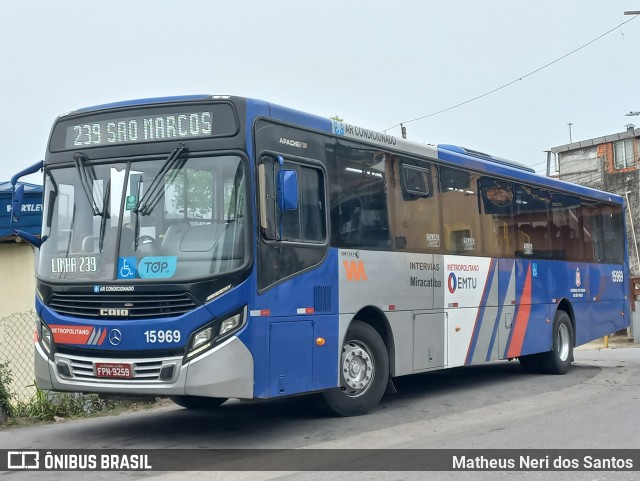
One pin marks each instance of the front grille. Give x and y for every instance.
(136, 306)
(82, 369)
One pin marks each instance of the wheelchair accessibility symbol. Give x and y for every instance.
(127, 267)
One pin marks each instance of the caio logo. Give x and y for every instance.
(114, 312)
(355, 270)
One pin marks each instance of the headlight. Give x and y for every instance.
(230, 324)
(46, 338)
(208, 336)
(200, 341)
(202, 337)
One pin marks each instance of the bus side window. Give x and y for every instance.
(497, 217)
(533, 215)
(607, 233)
(567, 232)
(304, 224)
(415, 210)
(459, 199)
(359, 213)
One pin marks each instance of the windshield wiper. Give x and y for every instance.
(79, 158)
(105, 214)
(152, 195)
(136, 233)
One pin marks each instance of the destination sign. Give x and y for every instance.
(142, 128)
(74, 264)
(157, 124)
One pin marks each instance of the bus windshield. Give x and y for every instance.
(132, 221)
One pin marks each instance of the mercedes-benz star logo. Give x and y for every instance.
(115, 336)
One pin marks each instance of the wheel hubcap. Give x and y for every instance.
(563, 342)
(357, 368)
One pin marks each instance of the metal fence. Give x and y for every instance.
(16, 348)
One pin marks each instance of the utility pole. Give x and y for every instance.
(404, 131)
(570, 139)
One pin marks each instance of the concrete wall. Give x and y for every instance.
(17, 321)
(582, 166)
(17, 278)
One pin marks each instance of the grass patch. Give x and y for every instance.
(51, 406)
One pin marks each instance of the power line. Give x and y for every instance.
(515, 80)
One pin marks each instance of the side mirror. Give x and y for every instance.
(17, 198)
(16, 202)
(287, 190)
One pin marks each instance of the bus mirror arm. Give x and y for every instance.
(17, 198)
(29, 170)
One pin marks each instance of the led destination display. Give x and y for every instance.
(143, 128)
(156, 124)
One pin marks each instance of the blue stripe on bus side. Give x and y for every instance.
(481, 311)
(505, 271)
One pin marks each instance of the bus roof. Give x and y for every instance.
(467, 158)
(138, 102)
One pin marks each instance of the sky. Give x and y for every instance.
(374, 63)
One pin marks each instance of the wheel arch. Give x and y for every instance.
(377, 319)
(566, 306)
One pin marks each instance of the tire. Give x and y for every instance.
(198, 402)
(364, 372)
(559, 359)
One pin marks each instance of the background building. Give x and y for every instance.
(608, 163)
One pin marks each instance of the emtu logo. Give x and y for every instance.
(452, 283)
(355, 270)
(455, 283)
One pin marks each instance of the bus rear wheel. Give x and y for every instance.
(559, 359)
(200, 403)
(364, 372)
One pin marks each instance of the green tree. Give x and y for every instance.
(192, 191)
(5, 392)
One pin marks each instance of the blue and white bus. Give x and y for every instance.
(214, 247)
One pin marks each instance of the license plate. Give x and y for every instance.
(113, 370)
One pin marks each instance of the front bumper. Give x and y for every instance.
(225, 371)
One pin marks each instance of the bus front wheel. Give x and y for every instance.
(364, 372)
(198, 402)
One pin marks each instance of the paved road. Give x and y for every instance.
(489, 406)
